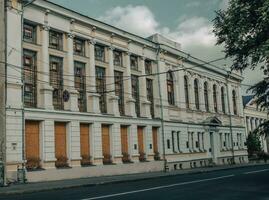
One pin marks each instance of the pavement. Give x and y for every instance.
(106, 180)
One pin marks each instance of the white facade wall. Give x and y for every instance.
(177, 118)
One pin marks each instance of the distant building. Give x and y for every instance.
(89, 94)
(254, 116)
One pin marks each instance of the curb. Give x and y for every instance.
(205, 170)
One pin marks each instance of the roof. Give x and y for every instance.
(246, 99)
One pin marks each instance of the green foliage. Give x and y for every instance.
(244, 30)
(253, 144)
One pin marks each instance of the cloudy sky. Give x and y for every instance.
(188, 22)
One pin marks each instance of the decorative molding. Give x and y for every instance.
(92, 41)
(70, 35)
(45, 27)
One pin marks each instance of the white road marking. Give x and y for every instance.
(253, 172)
(159, 187)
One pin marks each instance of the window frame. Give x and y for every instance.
(170, 88)
(206, 96)
(186, 89)
(80, 85)
(33, 32)
(58, 36)
(99, 53)
(76, 42)
(196, 94)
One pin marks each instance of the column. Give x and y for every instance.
(134, 154)
(116, 143)
(253, 124)
(191, 93)
(45, 88)
(201, 95)
(48, 147)
(248, 125)
(145, 104)
(130, 102)
(97, 144)
(93, 97)
(219, 102)
(181, 99)
(69, 80)
(226, 100)
(230, 96)
(112, 99)
(149, 143)
(210, 97)
(74, 143)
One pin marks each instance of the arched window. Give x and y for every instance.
(234, 102)
(186, 87)
(215, 98)
(196, 94)
(223, 99)
(170, 88)
(206, 96)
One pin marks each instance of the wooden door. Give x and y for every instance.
(85, 141)
(140, 136)
(105, 141)
(32, 140)
(60, 139)
(124, 140)
(155, 139)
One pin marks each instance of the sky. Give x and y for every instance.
(188, 22)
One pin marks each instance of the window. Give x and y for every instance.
(223, 99)
(134, 62)
(206, 96)
(234, 102)
(135, 93)
(150, 97)
(29, 33)
(99, 53)
(148, 67)
(56, 40)
(101, 88)
(79, 47)
(170, 88)
(215, 98)
(178, 141)
(56, 81)
(173, 141)
(186, 88)
(119, 91)
(168, 144)
(80, 85)
(196, 94)
(117, 58)
(29, 72)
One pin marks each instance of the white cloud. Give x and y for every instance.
(224, 4)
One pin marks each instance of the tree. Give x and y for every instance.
(243, 29)
(253, 144)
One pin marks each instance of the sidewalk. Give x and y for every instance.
(64, 184)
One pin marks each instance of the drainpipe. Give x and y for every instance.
(161, 107)
(230, 116)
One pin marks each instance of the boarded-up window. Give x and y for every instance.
(32, 140)
(124, 140)
(84, 141)
(140, 136)
(155, 139)
(106, 144)
(60, 140)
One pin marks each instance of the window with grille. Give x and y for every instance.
(101, 88)
(150, 97)
(117, 58)
(170, 88)
(119, 91)
(29, 72)
(148, 67)
(55, 40)
(206, 96)
(186, 88)
(79, 46)
(223, 99)
(134, 62)
(196, 94)
(215, 98)
(29, 33)
(56, 81)
(99, 53)
(80, 85)
(234, 102)
(135, 93)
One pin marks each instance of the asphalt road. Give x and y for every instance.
(242, 183)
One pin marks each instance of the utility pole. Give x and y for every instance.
(230, 115)
(3, 67)
(161, 107)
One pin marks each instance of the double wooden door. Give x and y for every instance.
(60, 140)
(32, 140)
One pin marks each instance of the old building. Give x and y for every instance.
(254, 116)
(92, 98)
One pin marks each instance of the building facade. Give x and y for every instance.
(89, 94)
(254, 116)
